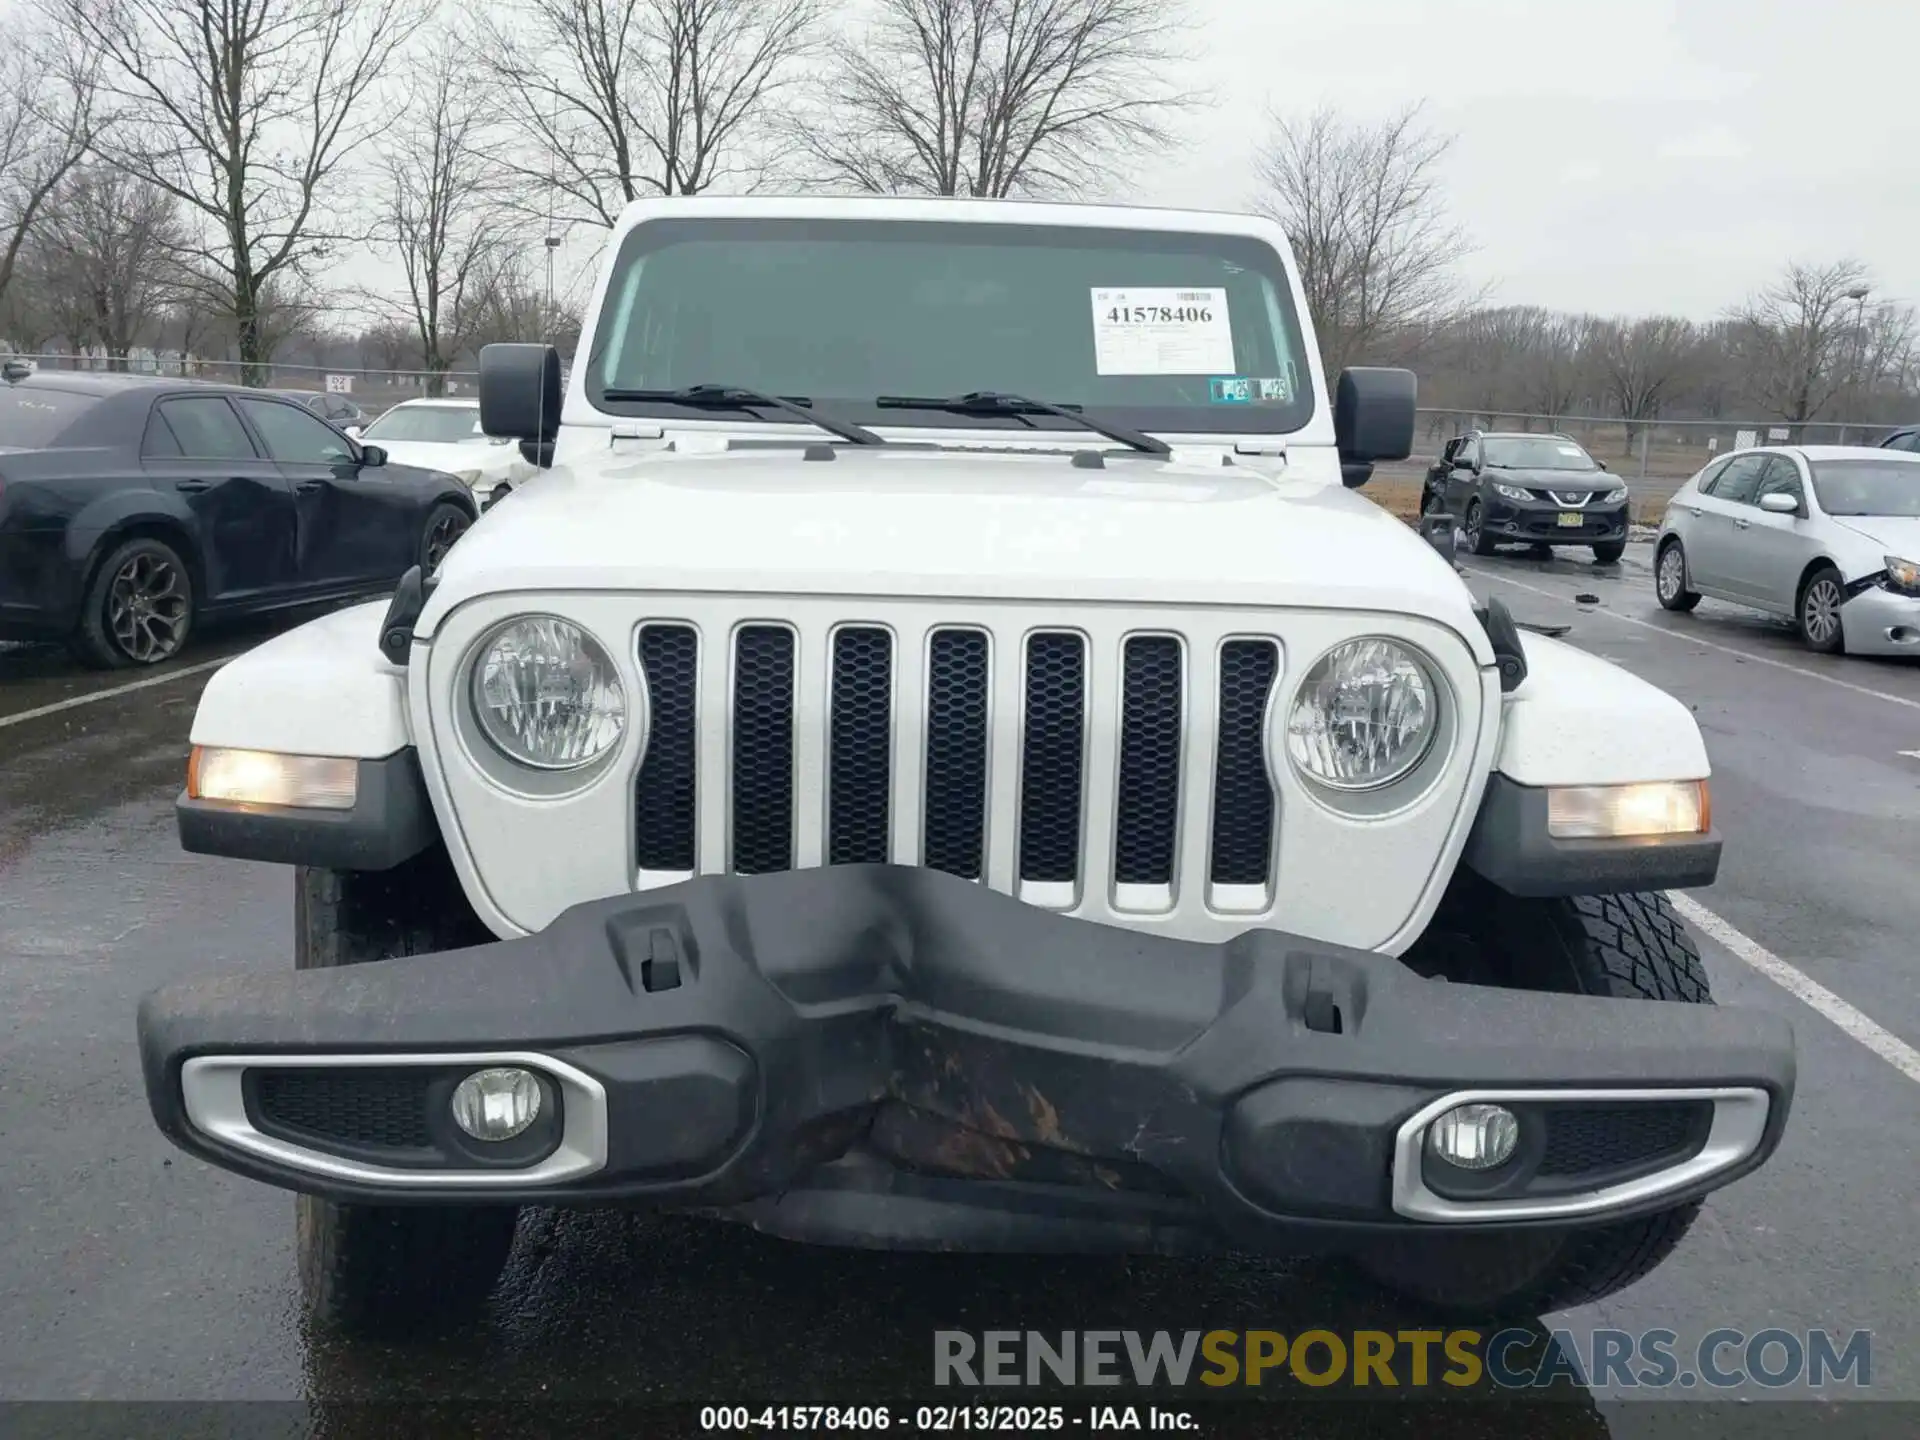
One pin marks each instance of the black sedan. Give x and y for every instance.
(133, 508)
(1527, 489)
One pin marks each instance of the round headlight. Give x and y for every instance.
(1363, 716)
(546, 695)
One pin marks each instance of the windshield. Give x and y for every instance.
(1157, 331)
(1536, 452)
(433, 424)
(35, 416)
(1867, 487)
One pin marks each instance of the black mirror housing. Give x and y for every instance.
(372, 456)
(1373, 418)
(520, 395)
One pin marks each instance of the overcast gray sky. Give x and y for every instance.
(1630, 155)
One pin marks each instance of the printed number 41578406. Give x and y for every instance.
(1160, 315)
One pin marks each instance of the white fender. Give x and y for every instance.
(1580, 720)
(322, 688)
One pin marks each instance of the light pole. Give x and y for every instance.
(1858, 294)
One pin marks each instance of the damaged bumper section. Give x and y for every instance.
(886, 1056)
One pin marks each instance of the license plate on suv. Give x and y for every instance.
(1571, 519)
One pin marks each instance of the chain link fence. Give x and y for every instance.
(373, 390)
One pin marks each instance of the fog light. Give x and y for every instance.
(264, 777)
(1475, 1137)
(1612, 812)
(496, 1104)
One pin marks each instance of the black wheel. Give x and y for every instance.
(370, 1268)
(1609, 553)
(138, 608)
(1819, 611)
(446, 523)
(1670, 579)
(1474, 530)
(1624, 946)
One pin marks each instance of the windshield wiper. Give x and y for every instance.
(738, 397)
(994, 402)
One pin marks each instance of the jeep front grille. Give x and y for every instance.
(860, 691)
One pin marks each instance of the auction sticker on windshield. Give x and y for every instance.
(1162, 331)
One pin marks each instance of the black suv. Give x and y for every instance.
(1907, 439)
(1527, 489)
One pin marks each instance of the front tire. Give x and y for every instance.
(1818, 612)
(1609, 552)
(369, 1269)
(1670, 579)
(1477, 538)
(1622, 946)
(446, 523)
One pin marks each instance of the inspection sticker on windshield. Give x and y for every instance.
(1162, 331)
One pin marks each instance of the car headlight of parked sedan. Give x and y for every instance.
(1614, 496)
(546, 694)
(1902, 575)
(1363, 717)
(1512, 492)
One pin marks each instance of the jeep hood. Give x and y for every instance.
(1016, 526)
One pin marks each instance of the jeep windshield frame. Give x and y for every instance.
(846, 311)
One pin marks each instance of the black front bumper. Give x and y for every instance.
(1538, 522)
(874, 1054)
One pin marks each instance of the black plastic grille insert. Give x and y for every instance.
(762, 750)
(860, 739)
(956, 789)
(378, 1109)
(1147, 808)
(663, 798)
(1051, 755)
(1242, 794)
(1592, 1139)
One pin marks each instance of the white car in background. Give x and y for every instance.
(1825, 535)
(445, 435)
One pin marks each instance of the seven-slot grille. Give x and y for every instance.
(856, 669)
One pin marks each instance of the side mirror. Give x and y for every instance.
(1373, 419)
(520, 397)
(373, 456)
(1778, 503)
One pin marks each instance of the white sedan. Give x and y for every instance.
(1825, 535)
(445, 435)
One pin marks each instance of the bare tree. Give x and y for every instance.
(624, 98)
(997, 97)
(446, 228)
(1645, 365)
(47, 121)
(1796, 340)
(1366, 211)
(246, 112)
(521, 306)
(108, 250)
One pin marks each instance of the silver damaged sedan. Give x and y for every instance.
(1825, 535)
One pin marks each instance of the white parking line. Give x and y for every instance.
(1860, 1026)
(78, 700)
(1691, 639)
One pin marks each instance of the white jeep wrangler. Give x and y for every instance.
(942, 758)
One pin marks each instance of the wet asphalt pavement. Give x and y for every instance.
(130, 1271)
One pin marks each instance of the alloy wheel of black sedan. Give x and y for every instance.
(148, 605)
(446, 525)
